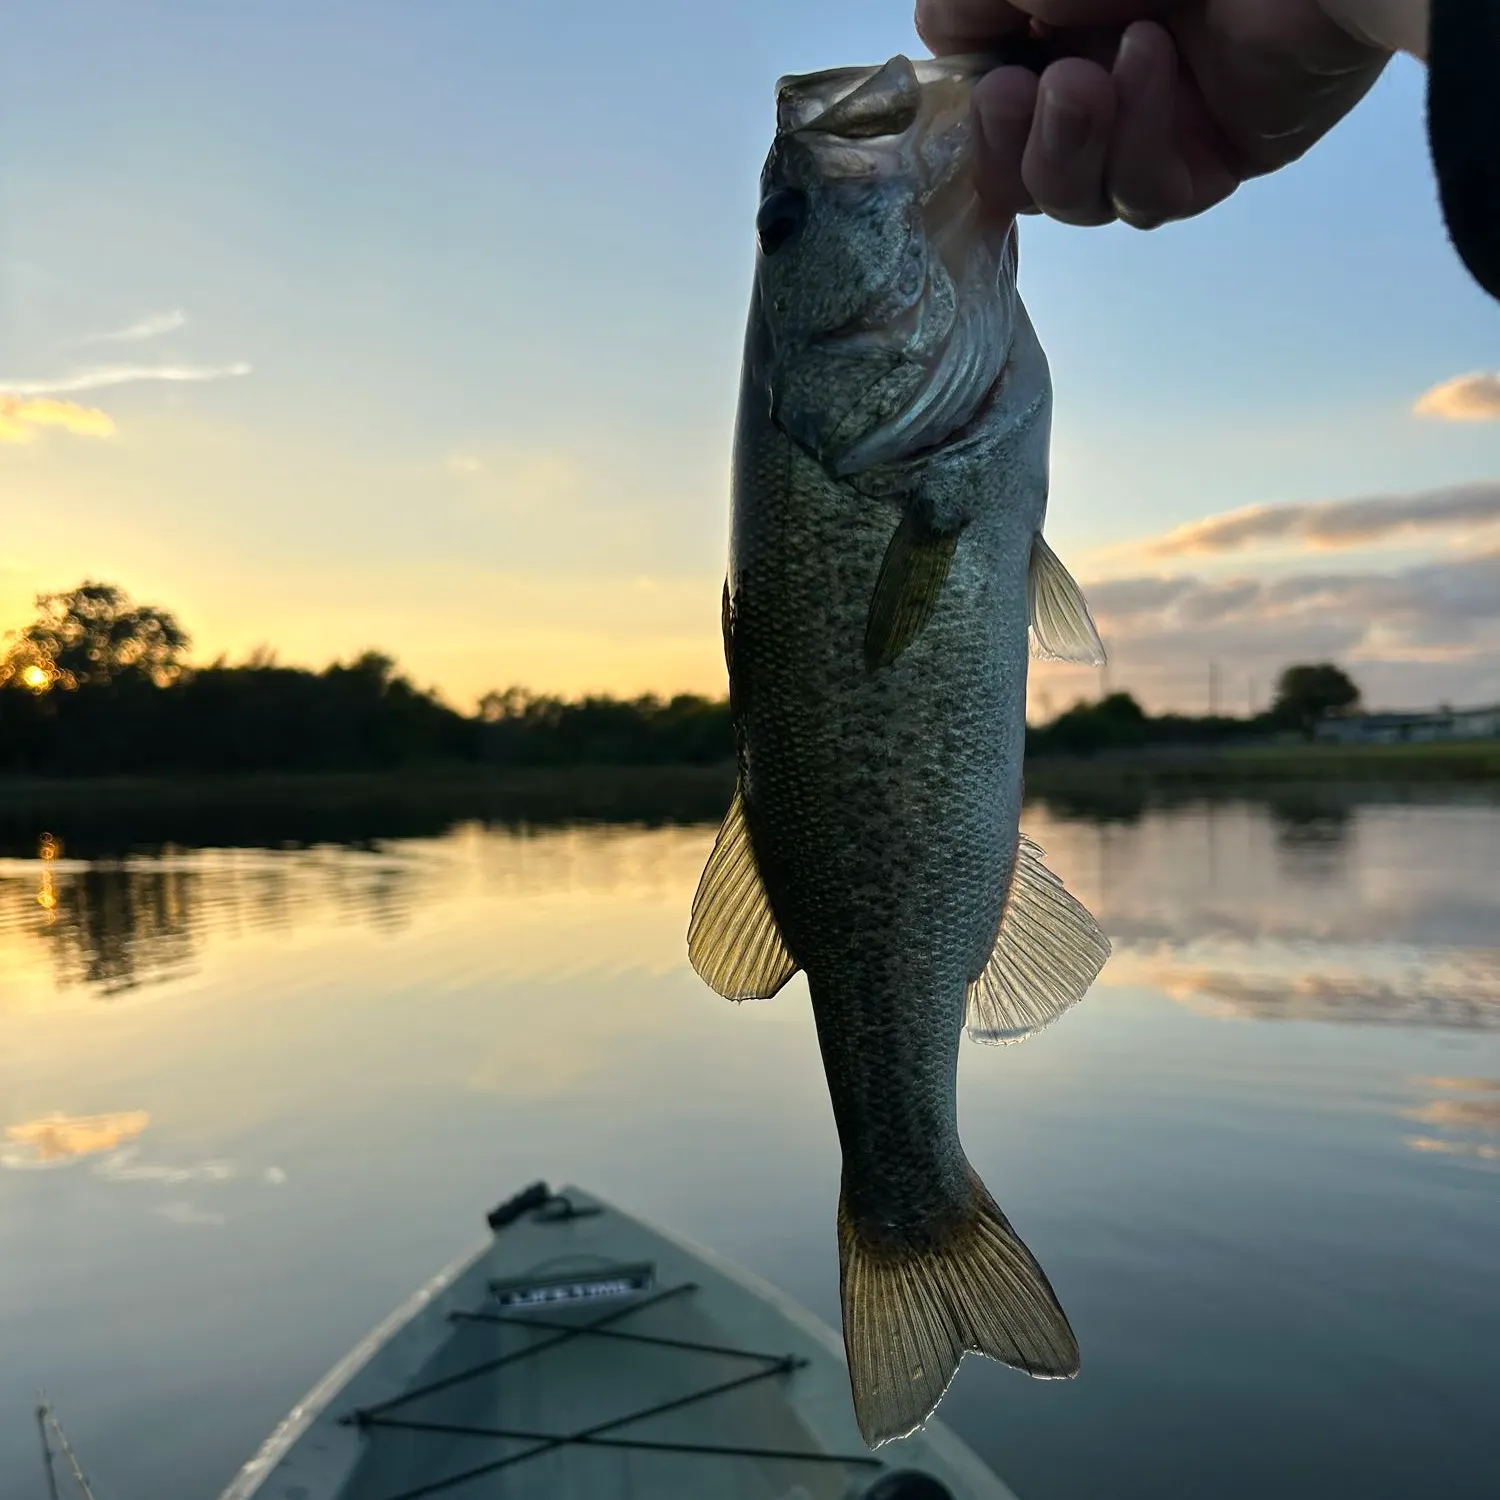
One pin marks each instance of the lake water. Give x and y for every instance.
(249, 1099)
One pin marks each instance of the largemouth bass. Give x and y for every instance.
(886, 573)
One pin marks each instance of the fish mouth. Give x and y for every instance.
(802, 97)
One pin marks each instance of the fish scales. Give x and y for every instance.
(886, 581)
(878, 803)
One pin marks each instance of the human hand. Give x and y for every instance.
(1163, 107)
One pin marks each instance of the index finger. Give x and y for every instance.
(967, 25)
(970, 21)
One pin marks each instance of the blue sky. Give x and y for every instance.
(458, 292)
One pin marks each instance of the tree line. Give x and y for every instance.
(1305, 695)
(99, 685)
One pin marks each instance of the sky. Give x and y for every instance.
(330, 326)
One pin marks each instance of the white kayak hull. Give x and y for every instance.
(591, 1356)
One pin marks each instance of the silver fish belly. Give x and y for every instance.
(887, 579)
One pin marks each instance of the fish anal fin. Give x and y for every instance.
(733, 940)
(906, 593)
(1048, 952)
(915, 1304)
(1062, 628)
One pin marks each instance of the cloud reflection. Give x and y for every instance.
(1362, 913)
(1476, 1111)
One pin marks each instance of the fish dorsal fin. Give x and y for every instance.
(733, 940)
(1061, 627)
(906, 593)
(1048, 952)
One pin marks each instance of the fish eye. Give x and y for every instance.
(781, 215)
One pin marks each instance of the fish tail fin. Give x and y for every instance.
(916, 1301)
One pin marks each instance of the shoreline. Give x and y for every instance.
(101, 818)
(1467, 762)
(1246, 767)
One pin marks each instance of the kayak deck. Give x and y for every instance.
(583, 1353)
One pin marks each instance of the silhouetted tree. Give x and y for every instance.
(94, 635)
(1305, 694)
(1117, 722)
(523, 728)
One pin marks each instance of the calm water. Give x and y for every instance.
(249, 1099)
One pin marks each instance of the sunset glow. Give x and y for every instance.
(363, 391)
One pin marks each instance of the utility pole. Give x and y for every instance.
(1213, 690)
(1250, 700)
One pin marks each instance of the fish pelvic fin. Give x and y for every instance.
(1062, 629)
(733, 940)
(915, 1302)
(906, 593)
(1048, 952)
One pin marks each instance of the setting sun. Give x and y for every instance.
(36, 678)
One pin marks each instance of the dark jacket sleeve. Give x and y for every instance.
(1463, 127)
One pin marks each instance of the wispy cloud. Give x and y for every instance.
(1465, 398)
(186, 1213)
(1411, 636)
(21, 419)
(1453, 595)
(152, 326)
(57, 1138)
(519, 475)
(101, 376)
(1333, 525)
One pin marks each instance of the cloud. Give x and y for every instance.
(150, 327)
(1412, 636)
(122, 1166)
(1334, 525)
(1465, 398)
(1454, 594)
(106, 375)
(185, 1213)
(54, 1139)
(520, 477)
(21, 418)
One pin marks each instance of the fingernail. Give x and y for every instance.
(1065, 130)
(1133, 61)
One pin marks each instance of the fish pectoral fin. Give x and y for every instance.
(733, 940)
(1048, 952)
(906, 593)
(912, 1310)
(1062, 629)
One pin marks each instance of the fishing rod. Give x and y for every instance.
(45, 1416)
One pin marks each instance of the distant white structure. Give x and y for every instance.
(1411, 728)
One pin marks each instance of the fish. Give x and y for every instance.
(887, 581)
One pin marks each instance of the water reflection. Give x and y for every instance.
(114, 926)
(253, 1097)
(1469, 1107)
(1312, 908)
(1376, 914)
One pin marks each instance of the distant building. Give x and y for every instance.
(1411, 728)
